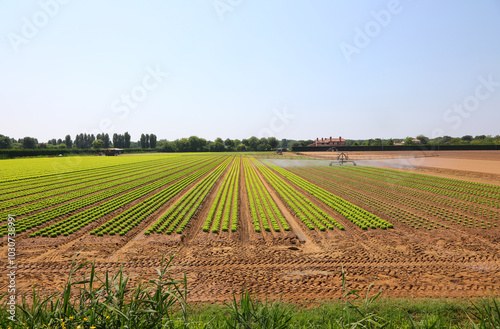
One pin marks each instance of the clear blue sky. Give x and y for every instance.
(237, 68)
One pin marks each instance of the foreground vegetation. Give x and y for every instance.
(89, 300)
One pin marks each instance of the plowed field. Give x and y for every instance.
(275, 227)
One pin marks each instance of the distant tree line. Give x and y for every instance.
(197, 144)
(81, 141)
(424, 140)
(84, 141)
(150, 141)
(294, 143)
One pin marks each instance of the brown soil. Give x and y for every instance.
(298, 265)
(479, 166)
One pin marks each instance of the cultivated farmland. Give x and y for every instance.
(274, 226)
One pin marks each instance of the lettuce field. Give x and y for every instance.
(275, 226)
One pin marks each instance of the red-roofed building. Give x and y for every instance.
(328, 142)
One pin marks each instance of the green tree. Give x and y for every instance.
(262, 141)
(467, 138)
(284, 143)
(195, 144)
(253, 142)
(104, 138)
(229, 142)
(167, 146)
(445, 139)
(408, 141)
(5, 142)
(217, 147)
(152, 141)
(203, 145)
(389, 142)
(127, 140)
(98, 144)
(488, 140)
(107, 141)
(77, 141)
(423, 139)
(29, 143)
(143, 141)
(88, 140)
(182, 145)
(273, 142)
(263, 147)
(85, 141)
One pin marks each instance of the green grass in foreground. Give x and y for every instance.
(94, 302)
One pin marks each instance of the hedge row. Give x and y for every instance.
(398, 148)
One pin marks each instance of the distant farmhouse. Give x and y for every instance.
(328, 142)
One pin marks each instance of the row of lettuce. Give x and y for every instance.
(117, 198)
(419, 201)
